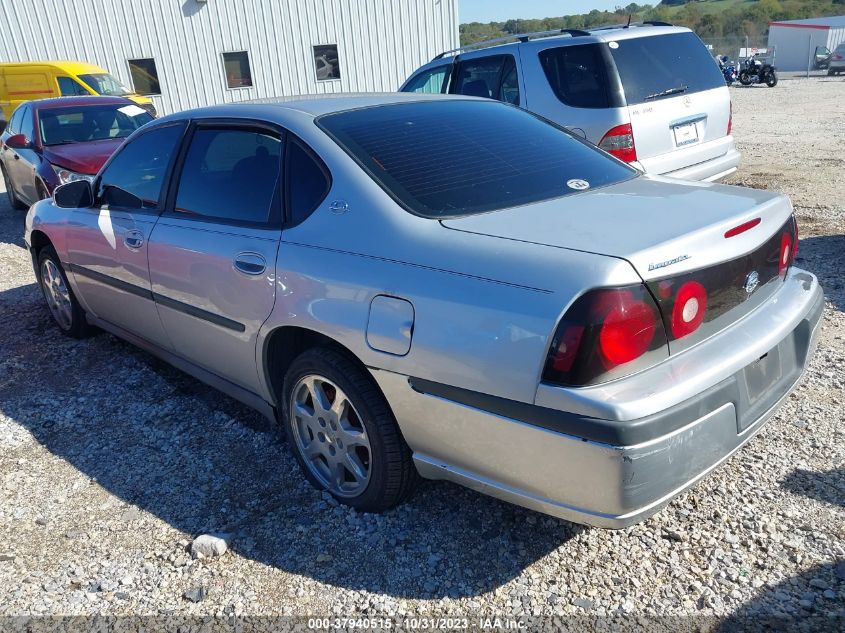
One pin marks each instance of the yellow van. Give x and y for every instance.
(25, 81)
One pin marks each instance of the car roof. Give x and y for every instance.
(70, 67)
(314, 105)
(563, 37)
(62, 102)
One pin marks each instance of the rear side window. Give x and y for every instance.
(578, 75)
(230, 174)
(431, 81)
(139, 169)
(664, 66)
(483, 77)
(307, 181)
(457, 158)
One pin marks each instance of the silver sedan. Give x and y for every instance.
(443, 287)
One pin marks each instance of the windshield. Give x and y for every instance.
(661, 66)
(60, 126)
(456, 158)
(106, 85)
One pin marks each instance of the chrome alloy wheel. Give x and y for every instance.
(330, 436)
(57, 294)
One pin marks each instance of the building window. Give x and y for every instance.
(144, 76)
(238, 73)
(326, 62)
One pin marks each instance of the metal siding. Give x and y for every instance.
(380, 42)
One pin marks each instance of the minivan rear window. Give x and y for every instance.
(662, 66)
(457, 158)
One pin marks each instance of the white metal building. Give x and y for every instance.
(796, 40)
(189, 53)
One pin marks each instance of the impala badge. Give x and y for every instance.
(751, 282)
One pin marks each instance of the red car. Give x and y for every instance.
(49, 142)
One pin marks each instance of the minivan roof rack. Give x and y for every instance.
(522, 37)
(609, 27)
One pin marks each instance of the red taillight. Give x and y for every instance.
(603, 330)
(731, 119)
(742, 228)
(795, 245)
(627, 332)
(785, 256)
(619, 141)
(689, 309)
(567, 348)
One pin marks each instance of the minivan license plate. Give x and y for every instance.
(685, 134)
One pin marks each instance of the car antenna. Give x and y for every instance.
(629, 21)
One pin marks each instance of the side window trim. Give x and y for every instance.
(276, 211)
(168, 174)
(290, 139)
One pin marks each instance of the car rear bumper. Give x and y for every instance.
(705, 162)
(513, 453)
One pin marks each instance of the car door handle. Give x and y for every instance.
(16, 157)
(250, 264)
(134, 240)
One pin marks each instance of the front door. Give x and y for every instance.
(22, 163)
(108, 244)
(213, 251)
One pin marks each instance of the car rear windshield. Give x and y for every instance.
(662, 66)
(456, 158)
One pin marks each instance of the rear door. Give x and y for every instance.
(212, 254)
(676, 97)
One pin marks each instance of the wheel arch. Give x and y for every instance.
(284, 343)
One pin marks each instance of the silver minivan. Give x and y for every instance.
(650, 94)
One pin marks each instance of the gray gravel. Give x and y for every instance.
(112, 463)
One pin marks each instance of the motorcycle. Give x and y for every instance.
(754, 71)
(728, 69)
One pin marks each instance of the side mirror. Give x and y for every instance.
(18, 141)
(74, 195)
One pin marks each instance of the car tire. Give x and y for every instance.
(62, 303)
(14, 201)
(343, 433)
(745, 78)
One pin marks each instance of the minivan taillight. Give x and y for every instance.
(619, 141)
(606, 333)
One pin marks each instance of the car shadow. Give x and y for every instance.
(167, 444)
(824, 256)
(813, 600)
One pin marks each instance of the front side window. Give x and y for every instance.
(69, 88)
(431, 81)
(578, 75)
(144, 76)
(307, 181)
(80, 124)
(26, 126)
(238, 73)
(134, 178)
(106, 85)
(456, 158)
(230, 174)
(14, 126)
(327, 62)
(664, 66)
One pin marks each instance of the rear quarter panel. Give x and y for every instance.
(484, 307)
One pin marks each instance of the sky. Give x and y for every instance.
(501, 10)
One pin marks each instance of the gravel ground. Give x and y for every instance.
(111, 463)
